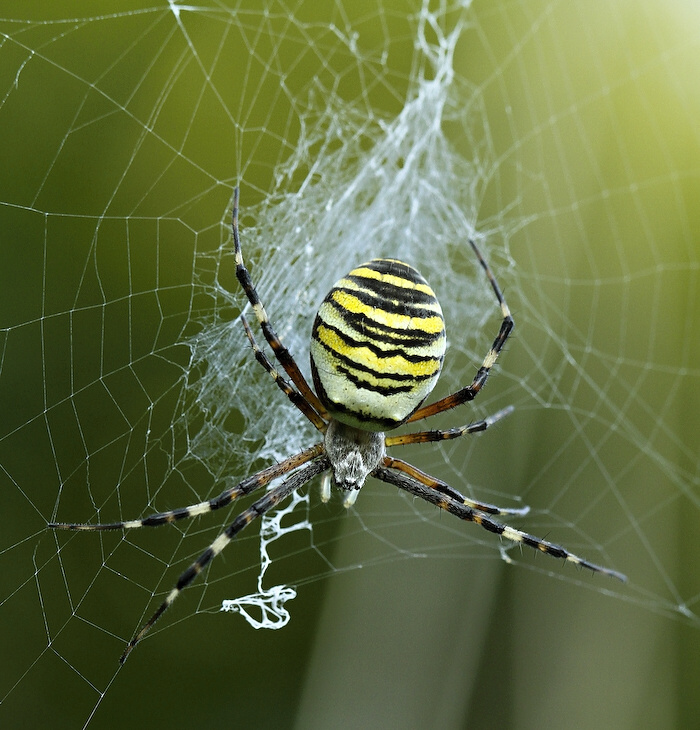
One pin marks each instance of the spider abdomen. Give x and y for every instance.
(377, 345)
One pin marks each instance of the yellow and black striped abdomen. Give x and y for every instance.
(377, 345)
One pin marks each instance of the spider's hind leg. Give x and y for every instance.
(284, 385)
(469, 392)
(284, 357)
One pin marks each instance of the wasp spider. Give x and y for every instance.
(377, 347)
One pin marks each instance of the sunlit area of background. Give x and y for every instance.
(565, 138)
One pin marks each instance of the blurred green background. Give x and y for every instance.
(123, 129)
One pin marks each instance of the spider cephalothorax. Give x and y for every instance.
(353, 453)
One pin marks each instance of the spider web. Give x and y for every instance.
(565, 137)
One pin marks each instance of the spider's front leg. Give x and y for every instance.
(257, 509)
(465, 512)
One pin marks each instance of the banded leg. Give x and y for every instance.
(464, 512)
(444, 488)
(284, 385)
(423, 437)
(282, 354)
(472, 390)
(247, 486)
(257, 509)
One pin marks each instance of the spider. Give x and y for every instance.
(377, 347)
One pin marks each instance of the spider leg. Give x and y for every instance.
(261, 479)
(423, 437)
(444, 488)
(257, 509)
(282, 354)
(284, 385)
(472, 390)
(469, 514)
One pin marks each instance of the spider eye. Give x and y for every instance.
(377, 345)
